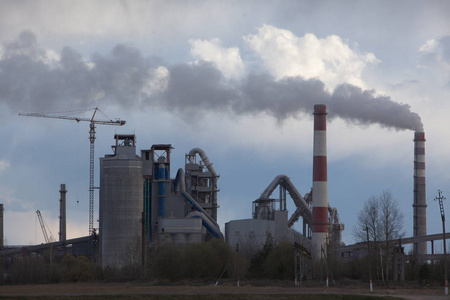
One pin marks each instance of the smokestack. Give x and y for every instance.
(1, 224)
(320, 187)
(62, 213)
(420, 199)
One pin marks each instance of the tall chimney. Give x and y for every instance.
(62, 213)
(320, 187)
(2, 229)
(420, 198)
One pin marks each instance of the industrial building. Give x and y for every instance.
(141, 205)
(319, 222)
(270, 218)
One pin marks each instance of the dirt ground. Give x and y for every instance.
(403, 292)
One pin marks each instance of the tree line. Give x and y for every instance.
(379, 221)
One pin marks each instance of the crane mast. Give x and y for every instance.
(92, 122)
(44, 230)
(91, 177)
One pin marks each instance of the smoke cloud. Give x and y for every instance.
(32, 79)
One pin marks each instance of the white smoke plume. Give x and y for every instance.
(32, 79)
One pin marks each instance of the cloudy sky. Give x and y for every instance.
(238, 79)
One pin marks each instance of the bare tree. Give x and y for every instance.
(368, 224)
(368, 219)
(383, 220)
(391, 219)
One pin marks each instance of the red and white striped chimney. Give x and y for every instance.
(320, 188)
(420, 199)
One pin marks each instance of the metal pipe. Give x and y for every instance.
(210, 168)
(300, 203)
(180, 186)
(162, 190)
(204, 158)
(320, 224)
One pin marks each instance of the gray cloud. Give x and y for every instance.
(31, 81)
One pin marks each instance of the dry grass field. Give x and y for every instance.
(145, 290)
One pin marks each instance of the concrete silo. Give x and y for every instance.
(121, 204)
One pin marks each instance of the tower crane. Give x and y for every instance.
(92, 122)
(44, 230)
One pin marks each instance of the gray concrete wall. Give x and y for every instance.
(180, 230)
(251, 234)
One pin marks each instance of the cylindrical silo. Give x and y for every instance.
(121, 204)
(320, 188)
(420, 198)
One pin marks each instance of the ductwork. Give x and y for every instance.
(204, 158)
(299, 211)
(333, 215)
(208, 222)
(300, 203)
(210, 168)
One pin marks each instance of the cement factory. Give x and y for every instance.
(142, 204)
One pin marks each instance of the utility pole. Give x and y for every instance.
(327, 260)
(324, 253)
(237, 257)
(368, 259)
(440, 198)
